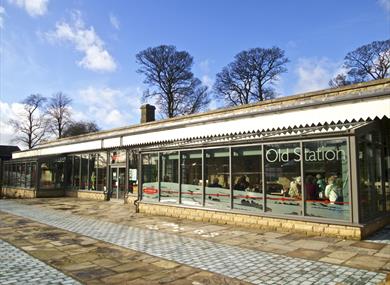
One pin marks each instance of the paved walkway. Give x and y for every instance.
(244, 264)
(17, 267)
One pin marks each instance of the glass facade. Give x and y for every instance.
(308, 178)
(169, 177)
(283, 181)
(150, 181)
(247, 178)
(371, 183)
(19, 174)
(101, 171)
(132, 172)
(302, 178)
(217, 174)
(191, 178)
(326, 179)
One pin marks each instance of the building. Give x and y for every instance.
(317, 163)
(6, 154)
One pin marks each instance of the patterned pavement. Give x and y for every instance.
(244, 264)
(383, 236)
(17, 267)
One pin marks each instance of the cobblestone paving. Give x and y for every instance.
(17, 267)
(244, 264)
(383, 236)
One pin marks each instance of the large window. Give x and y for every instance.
(102, 171)
(76, 171)
(247, 178)
(150, 189)
(118, 157)
(22, 175)
(191, 178)
(47, 180)
(92, 165)
(370, 176)
(133, 173)
(84, 171)
(217, 173)
(169, 177)
(326, 180)
(283, 179)
(33, 174)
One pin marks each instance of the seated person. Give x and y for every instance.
(241, 184)
(331, 191)
(310, 188)
(215, 183)
(295, 188)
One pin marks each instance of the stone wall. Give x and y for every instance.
(130, 199)
(375, 226)
(50, 193)
(21, 193)
(90, 195)
(278, 224)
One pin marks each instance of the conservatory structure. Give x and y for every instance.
(316, 162)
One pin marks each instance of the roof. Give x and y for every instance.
(7, 150)
(359, 102)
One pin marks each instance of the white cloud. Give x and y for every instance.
(96, 57)
(206, 78)
(33, 7)
(8, 112)
(314, 74)
(2, 14)
(109, 107)
(205, 66)
(385, 4)
(207, 81)
(114, 21)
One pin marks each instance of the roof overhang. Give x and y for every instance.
(364, 106)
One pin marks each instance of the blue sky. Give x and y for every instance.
(86, 48)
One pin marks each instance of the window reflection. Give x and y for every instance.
(191, 178)
(326, 179)
(217, 178)
(247, 178)
(169, 177)
(150, 176)
(283, 179)
(102, 171)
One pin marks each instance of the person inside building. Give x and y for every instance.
(215, 183)
(295, 188)
(310, 188)
(241, 184)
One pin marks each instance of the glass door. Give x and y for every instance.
(117, 176)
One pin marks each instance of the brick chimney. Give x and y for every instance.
(147, 113)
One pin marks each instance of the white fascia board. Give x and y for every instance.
(272, 121)
(306, 116)
(111, 142)
(70, 148)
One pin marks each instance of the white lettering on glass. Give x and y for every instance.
(321, 154)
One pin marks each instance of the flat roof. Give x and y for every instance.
(354, 102)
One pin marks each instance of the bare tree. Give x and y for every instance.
(368, 62)
(339, 80)
(31, 125)
(249, 78)
(58, 111)
(79, 128)
(173, 85)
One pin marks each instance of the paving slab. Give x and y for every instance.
(225, 260)
(17, 267)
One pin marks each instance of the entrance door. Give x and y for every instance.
(117, 176)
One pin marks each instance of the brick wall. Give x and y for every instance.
(90, 195)
(278, 224)
(10, 192)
